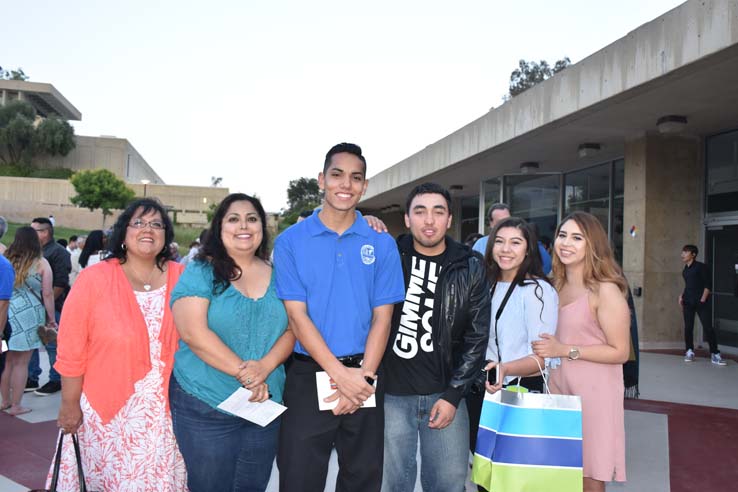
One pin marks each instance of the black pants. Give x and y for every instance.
(308, 435)
(704, 311)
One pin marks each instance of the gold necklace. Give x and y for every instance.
(146, 285)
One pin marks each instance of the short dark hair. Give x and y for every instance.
(497, 206)
(306, 213)
(424, 189)
(72, 238)
(691, 248)
(213, 250)
(349, 148)
(44, 221)
(118, 235)
(63, 242)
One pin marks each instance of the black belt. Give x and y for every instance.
(347, 360)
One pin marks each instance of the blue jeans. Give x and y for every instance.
(222, 453)
(444, 453)
(34, 365)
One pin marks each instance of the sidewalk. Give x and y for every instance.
(682, 435)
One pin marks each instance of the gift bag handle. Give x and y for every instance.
(57, 463)
(543, 375)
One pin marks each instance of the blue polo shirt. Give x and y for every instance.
(7, 278)
(341, 279)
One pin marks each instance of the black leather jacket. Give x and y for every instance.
(460, 314)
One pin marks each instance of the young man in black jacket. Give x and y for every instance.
(435, 351)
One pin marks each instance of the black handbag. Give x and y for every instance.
(57, 465)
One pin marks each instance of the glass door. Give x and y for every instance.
(722, 249)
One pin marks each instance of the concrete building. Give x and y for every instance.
(643, 134)
(25, 198)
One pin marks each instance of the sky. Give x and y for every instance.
(257, 92)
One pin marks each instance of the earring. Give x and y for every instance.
(123, 246)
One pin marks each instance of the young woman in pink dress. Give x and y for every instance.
(592, 339)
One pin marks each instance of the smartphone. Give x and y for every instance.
(492, 376)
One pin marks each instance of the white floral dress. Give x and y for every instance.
(136, 451)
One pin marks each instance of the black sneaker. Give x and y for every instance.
(31, 385)
(48, 389)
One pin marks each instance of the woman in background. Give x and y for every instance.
(31, 306)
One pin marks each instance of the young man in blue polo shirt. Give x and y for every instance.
(339, 280)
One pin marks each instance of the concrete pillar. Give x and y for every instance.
(3, 97)
(663, 190)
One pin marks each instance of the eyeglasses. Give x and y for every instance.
(142, 224)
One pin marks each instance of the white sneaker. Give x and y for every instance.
(717, 360)
(689, 356)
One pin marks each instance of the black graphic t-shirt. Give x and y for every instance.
(412, 365)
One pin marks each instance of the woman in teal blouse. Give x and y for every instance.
(234, 333)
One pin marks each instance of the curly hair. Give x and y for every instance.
(118, 236)
(213, 250)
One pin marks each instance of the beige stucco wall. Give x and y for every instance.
(669, 172)
(22, 199)
(114, 154)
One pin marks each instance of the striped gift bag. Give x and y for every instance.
(529, 442)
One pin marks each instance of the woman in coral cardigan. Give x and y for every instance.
(116, 349)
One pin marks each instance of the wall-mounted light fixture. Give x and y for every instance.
(588, 149)
(529, 167)
(455, 189)
(670, 124)
(389, 209)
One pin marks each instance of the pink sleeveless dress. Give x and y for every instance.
(601, 389)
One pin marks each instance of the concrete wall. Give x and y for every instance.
(22, 199)
(663, 183)
(691, 31)
(114, 154)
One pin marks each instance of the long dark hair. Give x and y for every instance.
(213, 251)
(95, 243)
(121, 225)
(531, 269)
(23, 253)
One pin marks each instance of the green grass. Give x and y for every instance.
(182, 235)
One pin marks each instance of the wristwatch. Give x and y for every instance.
(573, 353)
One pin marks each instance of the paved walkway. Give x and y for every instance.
(682, 434)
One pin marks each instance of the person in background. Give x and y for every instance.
(194, 247)
(233, 330)
(61, 266)
(94, 250)
(74, 259)
(695, 300)
(72, 244)
(117, 341)
(304, 215)
(31, 306)
(592, 341)
(3, 229)
(472, 238)
(174, 247)
(7, 279)
(496, 213)
(52, 220)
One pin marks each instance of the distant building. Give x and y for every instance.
(643, 134)
(25, 198)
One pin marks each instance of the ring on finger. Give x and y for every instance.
(248, 381)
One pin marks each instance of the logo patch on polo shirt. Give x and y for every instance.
(367, 254)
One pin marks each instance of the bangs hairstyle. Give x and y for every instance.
(213, 250)
(531, 269)
(23, 252)
(599, 262)
(118, 235)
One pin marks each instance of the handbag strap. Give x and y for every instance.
(57, 463)
(499, 313)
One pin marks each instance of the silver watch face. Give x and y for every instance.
(574, 354)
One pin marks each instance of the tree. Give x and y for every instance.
(531, 73)
(100, 189)
(302, 194)
(17, 74)
(22, 137)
